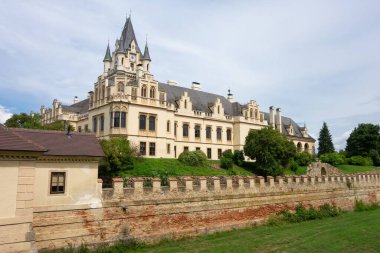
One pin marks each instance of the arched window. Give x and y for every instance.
(120, 87)
(306, 147)
(152, 92)
(143, 91)
(299, 147)
(147, 67)
(185, 104)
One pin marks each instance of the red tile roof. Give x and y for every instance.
(54, 143)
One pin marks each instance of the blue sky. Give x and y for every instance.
(317, 60)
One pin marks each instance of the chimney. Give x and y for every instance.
(271, 116)
(76, 100)
(278, 120)
(172, 82)
(230, 97)
(196, 86)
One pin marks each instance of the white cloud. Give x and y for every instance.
(4, 114)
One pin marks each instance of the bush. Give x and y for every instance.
(333, 158)
(228, 154)
(238, 157)
(193, 158)
(375, 157)
(360, 160)
(303, 158)
(293, 166)
(361, 206)
(226, 163)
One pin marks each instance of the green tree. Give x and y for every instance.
(272, 150)
(325, 144)
(363, 139)
(24, 120)
(119, 156)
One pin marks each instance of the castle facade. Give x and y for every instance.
(165, 119)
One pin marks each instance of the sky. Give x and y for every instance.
(316, 60)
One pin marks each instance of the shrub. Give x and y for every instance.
(333, 158)
(193, 158)
(238, 157)
(360, 160)
(303, 158)
(228, 154)
(375, 157)
(226, 163)
(361, 206)
(293, 166)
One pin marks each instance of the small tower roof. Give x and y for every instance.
(146, 55)
(108, 56)
(127, 36)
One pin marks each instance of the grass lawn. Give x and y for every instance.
(172, 167)
(348, 169)
(300, 171)
(350, 232)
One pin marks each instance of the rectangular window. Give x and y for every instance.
(175, 128)
(185, 130)
(142, 122)
(185, 148)
(208, 132)
(197, 131)
(123, 119)
(111, 119)
(197, 148)
(95, 124)
(102, 122)
(116, 120)
(152, 148)
(57, 182)
(228, 134)
(152, 123)
(168, 148)
(79, 129)
(86, 128)
(209, 153)
(134, 93)
(142, 148)
(219, 153)
(168, 126)
(219, 133)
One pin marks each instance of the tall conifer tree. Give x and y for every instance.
(325, 141)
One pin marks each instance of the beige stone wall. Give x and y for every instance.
(194, 205)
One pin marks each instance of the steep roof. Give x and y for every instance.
(146, 55)
(202, 101)
(127, 35)
(108, 56)
(81, 107)
(51, 143)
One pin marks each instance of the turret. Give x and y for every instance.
(146, 59)
(230, 97)
(107, 59)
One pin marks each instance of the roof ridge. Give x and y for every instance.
(15, 129)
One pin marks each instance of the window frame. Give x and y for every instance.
(187, 130)
(140, 148)
(219, 134)
(197, 129)
(210, 132)
(64, 182)
(144, 116)
(150, 149)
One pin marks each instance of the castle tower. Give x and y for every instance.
(146, 58)
(107, 59)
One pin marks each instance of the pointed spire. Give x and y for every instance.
(146, 55)
(127, 36)
(108, 56)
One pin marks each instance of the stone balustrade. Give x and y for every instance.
(143, 187)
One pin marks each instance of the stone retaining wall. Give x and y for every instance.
(193, 205)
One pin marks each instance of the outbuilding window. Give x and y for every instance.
(57, 182)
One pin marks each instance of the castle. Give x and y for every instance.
(165, 119)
